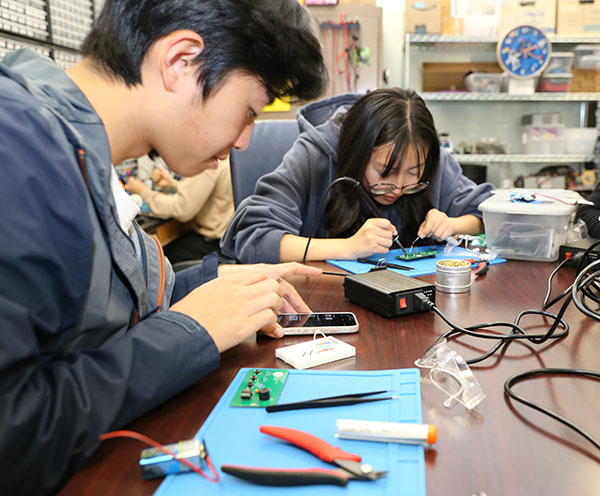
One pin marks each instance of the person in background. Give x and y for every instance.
(207, 198)
(590, 214)
(95, 327)
(385, 140)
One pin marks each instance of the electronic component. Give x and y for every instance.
(154, 463)
(388, 293)
(417, 255)
(260, 388)
(264, 394)
(315, 352)
(570, 250)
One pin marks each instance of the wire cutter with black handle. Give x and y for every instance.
(349, 464)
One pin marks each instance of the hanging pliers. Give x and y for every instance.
(349, 464)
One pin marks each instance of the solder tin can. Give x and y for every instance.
(453, 276)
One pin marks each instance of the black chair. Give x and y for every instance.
(270, 141)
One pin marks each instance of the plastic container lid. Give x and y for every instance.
(557, 75)
(500, 202)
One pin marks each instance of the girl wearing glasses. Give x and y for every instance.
(386, 141)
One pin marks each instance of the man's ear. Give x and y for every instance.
(177, 52)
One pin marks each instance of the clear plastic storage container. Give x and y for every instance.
(554, 82)
(580, 140)
(484, 82)
(527, 231)
(560, 63)
(545, 140)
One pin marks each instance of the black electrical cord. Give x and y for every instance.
(549, 285)
(551, 371)
(361, 190)
(587, 287)
(516, 331)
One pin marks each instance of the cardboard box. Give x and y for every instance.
(578, 17)
(423, 16)
(450, 76)
(452, 21)
(585, 81)
(481, 17)
(538, 13)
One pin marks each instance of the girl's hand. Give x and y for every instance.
(436, 225)
(161, 177)
(375, 236)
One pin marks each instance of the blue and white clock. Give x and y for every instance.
(524, 52)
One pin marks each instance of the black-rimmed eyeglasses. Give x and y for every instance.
(408, 189)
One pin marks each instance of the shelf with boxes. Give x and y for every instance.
(461, 113)
(441, 96)
(530, 158)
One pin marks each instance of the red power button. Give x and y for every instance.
(402, 303)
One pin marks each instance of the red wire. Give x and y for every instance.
(163, 449)
(554, 198)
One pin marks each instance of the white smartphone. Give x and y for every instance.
(326, 322)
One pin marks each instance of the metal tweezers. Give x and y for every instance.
(345, 399)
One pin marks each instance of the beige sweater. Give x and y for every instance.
(207, 198)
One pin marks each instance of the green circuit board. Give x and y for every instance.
(417, 255)
(256, 380)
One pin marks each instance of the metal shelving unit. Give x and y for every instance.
(522, 158)
(446, 43)
(438, 41)
(450, 96)
(441, 38)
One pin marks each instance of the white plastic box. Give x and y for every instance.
(484, 82)
(543, 139)
(581, 140)
(528, 231)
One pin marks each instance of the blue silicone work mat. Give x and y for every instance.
(232, 436)
(422, 266)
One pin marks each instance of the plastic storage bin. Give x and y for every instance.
(580, 140)
(541, 119)
(484, 82)
(527, 231)
(543, 139)
(560, 63)
(554, 82)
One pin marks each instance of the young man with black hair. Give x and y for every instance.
(95, 328)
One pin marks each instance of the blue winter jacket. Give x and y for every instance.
(287, 200)
(87, 342)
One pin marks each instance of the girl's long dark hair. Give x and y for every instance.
(380, 117)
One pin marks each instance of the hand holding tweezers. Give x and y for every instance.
(342, 400)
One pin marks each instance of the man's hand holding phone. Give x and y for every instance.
(245, 299)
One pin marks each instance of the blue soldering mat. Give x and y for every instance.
(421, 266)
(232, 436)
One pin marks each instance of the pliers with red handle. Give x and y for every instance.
(350, 466)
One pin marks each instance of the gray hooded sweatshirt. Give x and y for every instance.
(287, 199)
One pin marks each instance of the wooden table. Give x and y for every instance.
(166, 230)
(499, 449)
